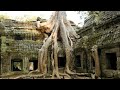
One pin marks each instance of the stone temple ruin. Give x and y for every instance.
(20, 42)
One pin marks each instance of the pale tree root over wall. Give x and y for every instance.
(60, 27)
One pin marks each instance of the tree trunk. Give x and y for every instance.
(96, 59)
(58, 26)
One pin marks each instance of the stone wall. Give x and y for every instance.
(23, 49)
(103, 17)
(106, 71)
(106, 36)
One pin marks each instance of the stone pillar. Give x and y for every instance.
(9, 62)
(89, 62)
(82, 60)
(103, 60)
(118, 63)
(25, 64)
(86, 59)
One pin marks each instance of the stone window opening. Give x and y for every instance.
(61, 62)
(7, 44)
(18, 37)
(16, 65)
(33, 64)
(111, 61)
(78, 61)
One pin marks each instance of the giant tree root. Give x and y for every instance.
(50, 76)
(60, 29)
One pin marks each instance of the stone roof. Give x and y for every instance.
(106, 34)
(107, 15)
(13, 26)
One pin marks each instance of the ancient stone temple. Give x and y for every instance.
(19, 46)
(20, 42)
(106, 35)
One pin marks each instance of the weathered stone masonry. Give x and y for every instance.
(20, 43)
(106, 35)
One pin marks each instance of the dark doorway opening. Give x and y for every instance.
(111, 61)
(78, 61)
(93, 62)
(16, 65)
(61, 62)
(33, 64)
